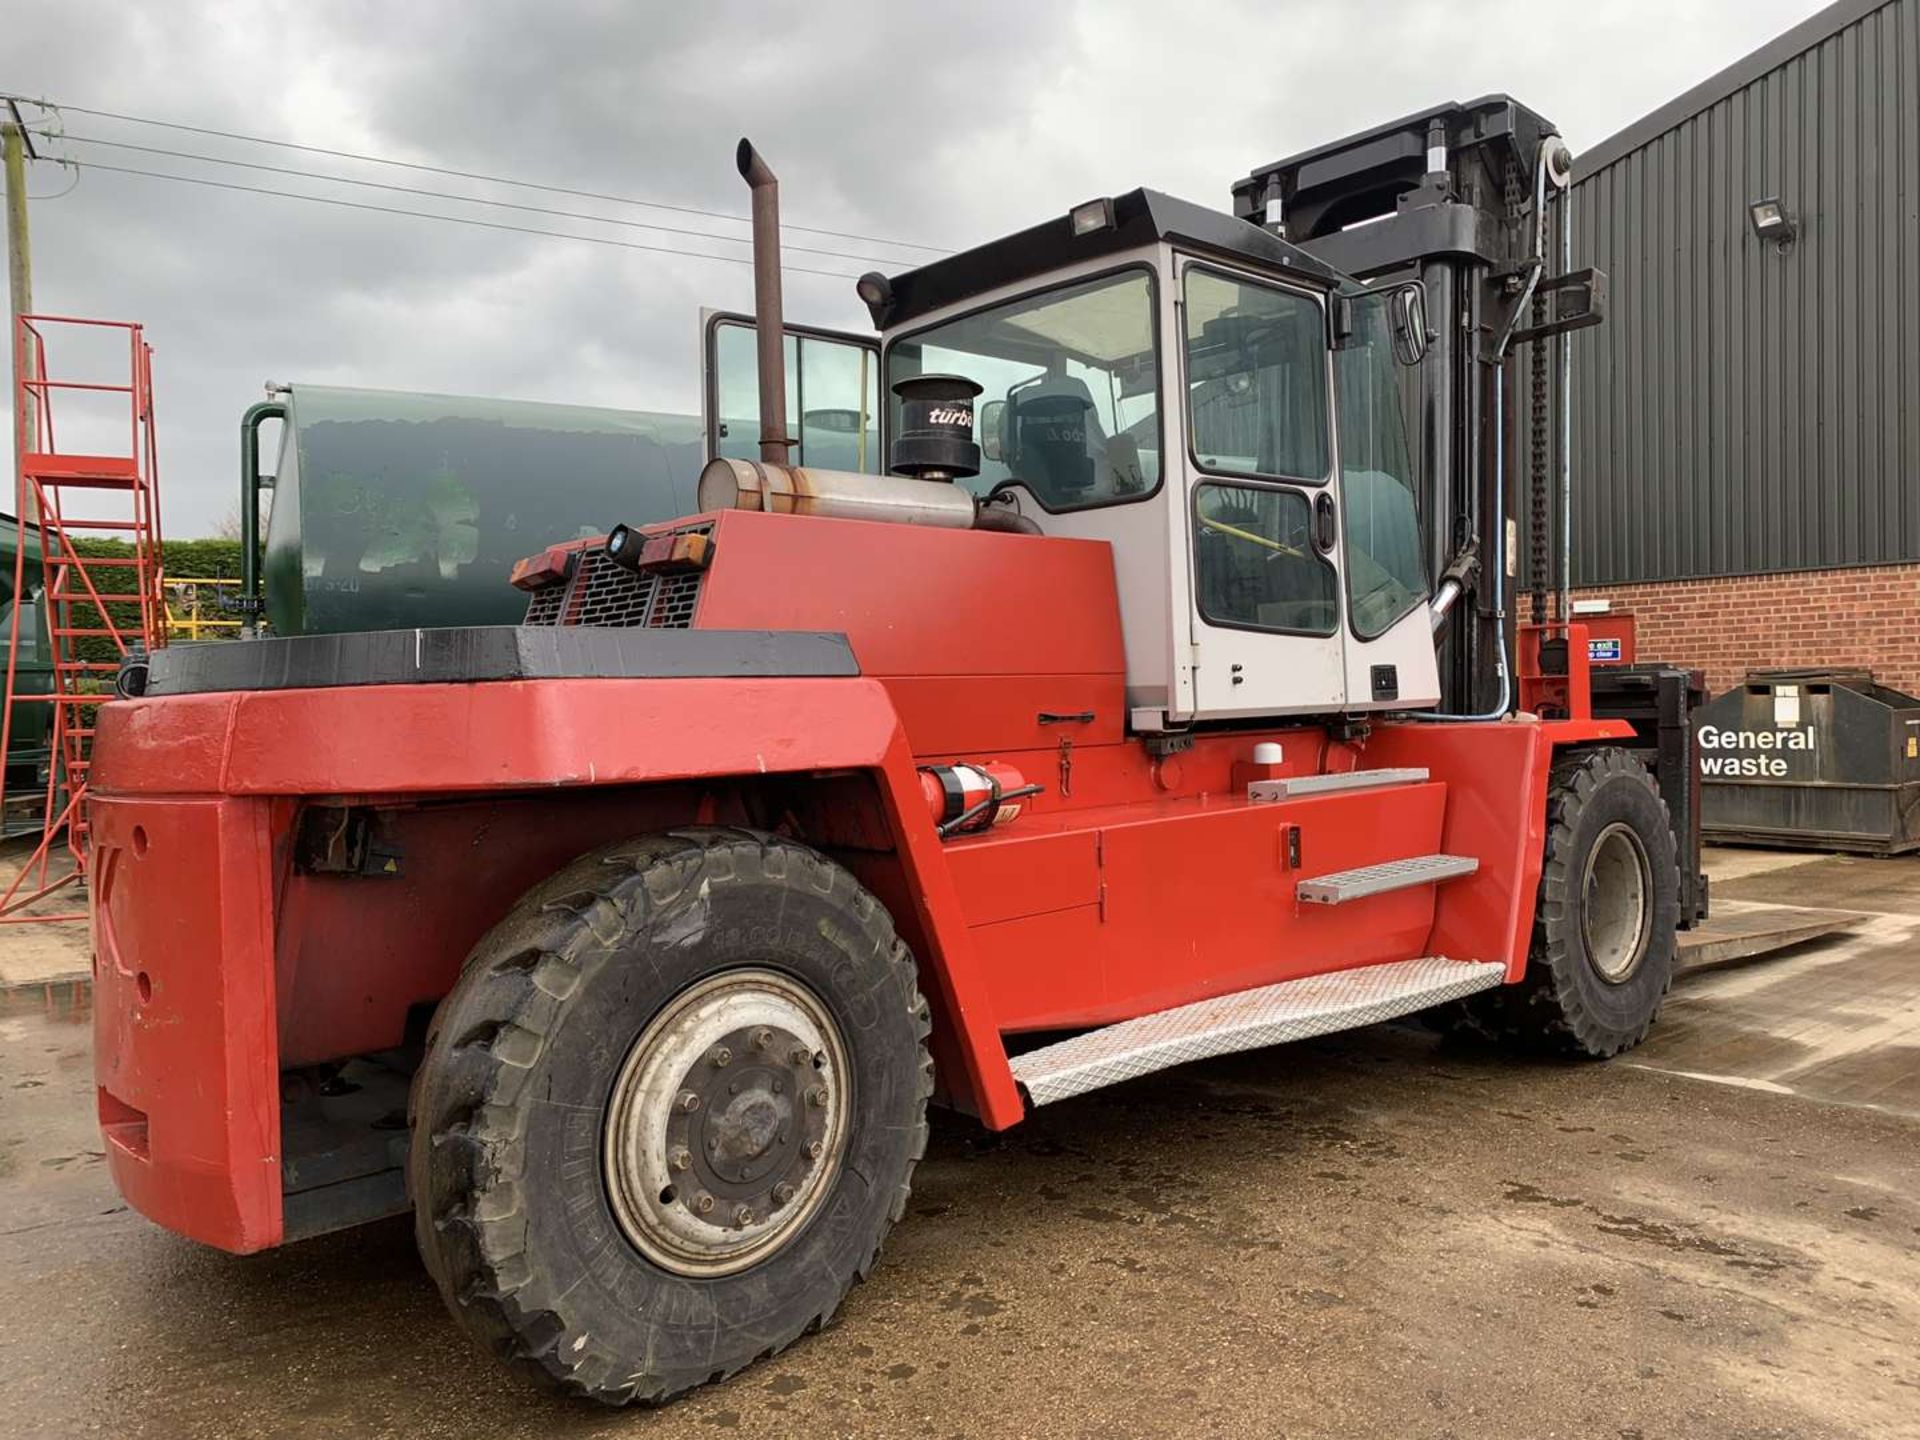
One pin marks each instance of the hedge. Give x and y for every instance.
(211, 559)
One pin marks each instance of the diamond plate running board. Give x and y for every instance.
(1247, 1020)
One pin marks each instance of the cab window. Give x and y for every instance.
(1386, 567)
(833, 399)
(1255, 567)
(1256, 378)
(30, 626)
(1069, 380)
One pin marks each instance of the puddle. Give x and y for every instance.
(60, 1001)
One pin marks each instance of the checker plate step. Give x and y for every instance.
(1345, 885)
(1293, 787)
(1248, 1020)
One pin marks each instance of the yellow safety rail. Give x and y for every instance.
(193, 608)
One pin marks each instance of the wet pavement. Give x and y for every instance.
(1835, 1019)
(40, 953)
(1379, 1234)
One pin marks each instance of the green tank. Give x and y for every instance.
(394, 510)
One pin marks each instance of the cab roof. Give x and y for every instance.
(1140, 218)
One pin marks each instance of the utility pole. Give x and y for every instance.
(13, 141)
(13, 136)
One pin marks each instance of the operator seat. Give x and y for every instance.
(1055, 446)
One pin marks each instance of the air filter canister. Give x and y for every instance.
(935, 439)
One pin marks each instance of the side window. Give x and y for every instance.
(1386, 565)
(833, 399)
(1256, 379)
(1254, 561)
(29, 617)
(29, 625)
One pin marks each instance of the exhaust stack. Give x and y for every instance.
(767, 319)
(935, 448)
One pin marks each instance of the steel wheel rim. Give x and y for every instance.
(727, 1123)
(1614, 902)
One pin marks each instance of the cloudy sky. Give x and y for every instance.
(940, 124)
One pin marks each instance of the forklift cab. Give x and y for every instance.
(1218, 405)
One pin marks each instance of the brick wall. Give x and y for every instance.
(1855, 618)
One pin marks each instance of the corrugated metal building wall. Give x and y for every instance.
(1745, 410)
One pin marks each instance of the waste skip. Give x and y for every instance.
(1815, 759)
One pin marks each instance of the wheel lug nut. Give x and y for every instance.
(817, 1097)
(680, 1160)
(688, 1102)
(782, 1194)
(763, 1039)
(703, 1203)
(801, 1055)
(815, 1150)
(722, 1056)
(743, 1217)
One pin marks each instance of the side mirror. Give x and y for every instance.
(1407, 310)
(991, 415)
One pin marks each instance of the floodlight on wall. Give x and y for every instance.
(1772, 222)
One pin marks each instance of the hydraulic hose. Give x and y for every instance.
(1566, 421)
(1498, 561)
(1497, 566)
(1539, 521)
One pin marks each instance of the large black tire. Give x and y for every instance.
(522, 1211)
(1600, 962)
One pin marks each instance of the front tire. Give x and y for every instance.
(1604, 929)
(669, 1112)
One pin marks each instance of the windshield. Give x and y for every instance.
(1069, 380)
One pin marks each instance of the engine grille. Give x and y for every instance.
(600, 592)
(545, 605)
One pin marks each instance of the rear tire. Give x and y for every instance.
(668, 1113)
(1601, 960)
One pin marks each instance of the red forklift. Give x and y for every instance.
(1165, 700)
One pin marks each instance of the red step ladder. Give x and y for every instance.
(97, 605)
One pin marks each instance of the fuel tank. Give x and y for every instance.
(392, 510)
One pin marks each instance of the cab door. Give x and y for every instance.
(1390, 655)
(833, 394)
(1263, 519)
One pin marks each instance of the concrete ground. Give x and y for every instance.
(1377, 1235)
(40, 954)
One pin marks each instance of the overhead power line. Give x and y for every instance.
(442, 195)
(71, 184)
(460, 174)
(449, 219)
